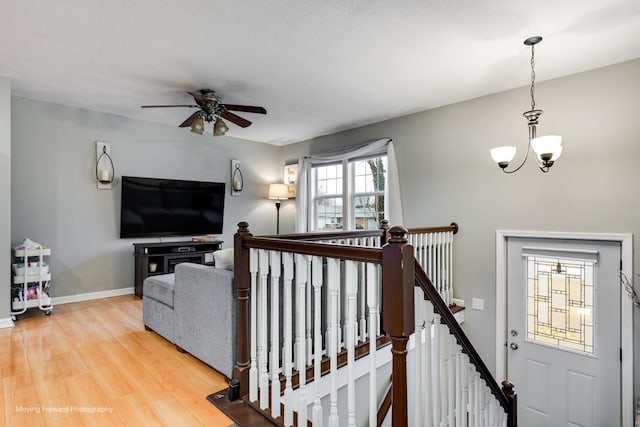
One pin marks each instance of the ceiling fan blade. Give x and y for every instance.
(235, 119)
(246, 108)
(190, 120)
(166, 106)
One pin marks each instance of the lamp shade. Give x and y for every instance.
(278, 192)
(220, 128)
(503, 154)
(549, 144)
(197, 126)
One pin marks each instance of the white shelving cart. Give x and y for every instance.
(31, 281)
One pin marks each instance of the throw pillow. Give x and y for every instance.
(224, 259)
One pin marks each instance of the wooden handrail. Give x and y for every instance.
(417, 230)
(337, 235)
(441, 308)
(329, 250)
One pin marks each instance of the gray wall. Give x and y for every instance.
(55, 200)
(446, 173)
(5, 194)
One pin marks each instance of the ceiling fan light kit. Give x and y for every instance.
(220, 128)
(547, 148)
(198, 126)
(211, 109)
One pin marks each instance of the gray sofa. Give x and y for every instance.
(195, 308)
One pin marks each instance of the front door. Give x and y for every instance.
(563, 321)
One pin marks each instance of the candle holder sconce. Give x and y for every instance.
(104, 165)
(237, 180)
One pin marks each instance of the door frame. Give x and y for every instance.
(626, 305)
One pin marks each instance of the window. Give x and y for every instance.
(560, 295)
(348, 195)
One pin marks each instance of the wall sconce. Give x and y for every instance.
(278, 192)
(105, 171)
(547, 148)
(237, 180)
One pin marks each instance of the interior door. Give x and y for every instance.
(563, 321)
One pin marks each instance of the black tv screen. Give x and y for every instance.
(169, 207)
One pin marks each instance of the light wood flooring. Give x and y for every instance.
(92, 363)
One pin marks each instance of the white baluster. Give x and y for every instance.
(333, 283)
(492, 411)
(422, 241)
(362, 295)
(464, 406)
(444, 380)
(301, 282)
(309, 323)
(485, 404)
(287, 261)
(451, 379)
(418, 297)
(428, 375)
(253, 367)
(450, 267)
(276, 267)
(435, 369)
(458, 358)
(339, 318)
(477, 399)
(428, 264)
(316, 280)
(372, 304)
(263, 291)
(351, 323)
(439, 265)
(471, 407)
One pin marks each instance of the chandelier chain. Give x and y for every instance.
(533, 79)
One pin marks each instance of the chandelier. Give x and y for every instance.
(547, 148)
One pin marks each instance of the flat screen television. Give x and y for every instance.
(153, 207)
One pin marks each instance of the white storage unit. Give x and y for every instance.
(31, 281)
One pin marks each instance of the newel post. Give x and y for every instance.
(512, 398)
(398, 280)
(242, 283)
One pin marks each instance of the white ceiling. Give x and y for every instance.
(316, 66)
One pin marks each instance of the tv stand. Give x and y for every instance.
(161, 258)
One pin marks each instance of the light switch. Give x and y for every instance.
(477, 304)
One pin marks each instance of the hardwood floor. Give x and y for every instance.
(92, 363)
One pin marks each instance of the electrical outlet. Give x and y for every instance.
(477, 304)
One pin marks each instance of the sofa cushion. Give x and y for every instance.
(224, 259)
(160, 288)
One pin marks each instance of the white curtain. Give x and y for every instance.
(393, 206)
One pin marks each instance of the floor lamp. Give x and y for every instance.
(278, 192)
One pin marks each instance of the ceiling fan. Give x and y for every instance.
(211, 109)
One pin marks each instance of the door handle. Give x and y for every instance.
(513, 346)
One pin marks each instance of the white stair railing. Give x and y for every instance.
(434, 253)
(312, 305)
(443, 378)
(292, 294)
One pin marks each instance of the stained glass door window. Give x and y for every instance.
(560, 308)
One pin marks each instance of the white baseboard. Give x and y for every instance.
(92, 295)
(6, 323)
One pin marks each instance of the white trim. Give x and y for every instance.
(626, 309)
(92, 295)
(6, 323)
